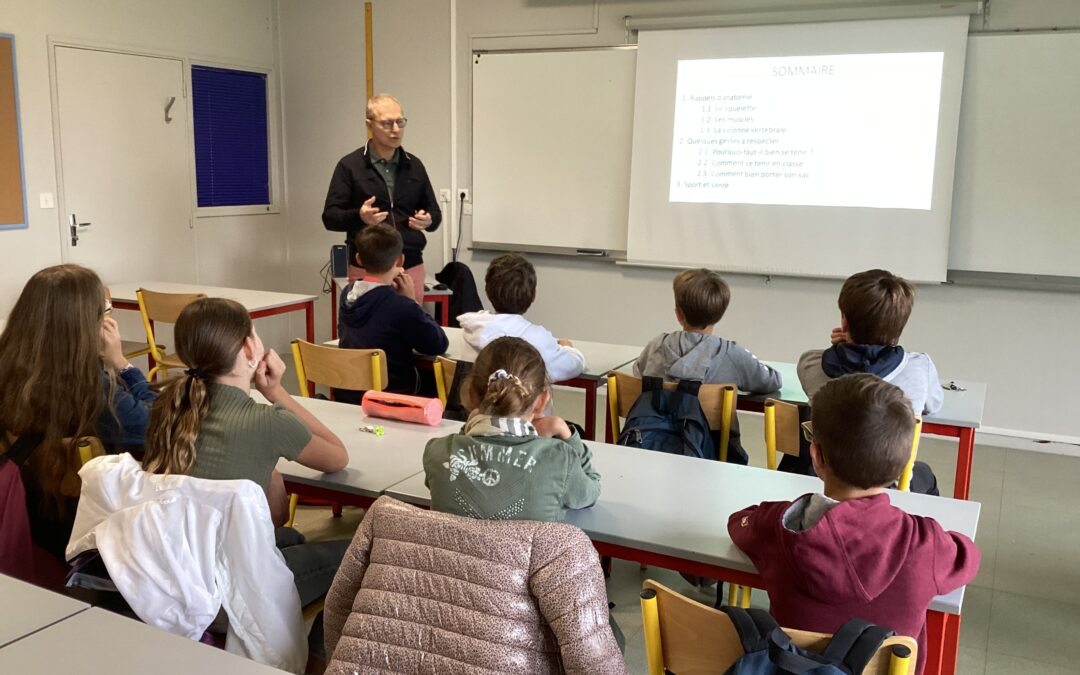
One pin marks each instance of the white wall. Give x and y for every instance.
(247, 251)
(1019, 342)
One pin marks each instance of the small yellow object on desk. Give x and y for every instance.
(376, 429)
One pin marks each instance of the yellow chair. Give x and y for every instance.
(131, 348)
(686, 637)
(718, 402)
(164, 308)
(357, 369)
(904, 483)
(444, 369)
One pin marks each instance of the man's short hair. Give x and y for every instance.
(876, 304)
(510, 284)
(702, 297)
(378, 247)
(374, 101)
(864, 428)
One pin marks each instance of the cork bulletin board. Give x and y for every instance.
(12, 189)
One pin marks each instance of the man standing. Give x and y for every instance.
(380, 182)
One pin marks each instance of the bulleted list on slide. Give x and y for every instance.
(856, 130)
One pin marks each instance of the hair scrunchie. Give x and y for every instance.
(501, 374)
(195, 373)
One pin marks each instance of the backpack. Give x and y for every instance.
(16, 547)
(769, 650)
(668, 421)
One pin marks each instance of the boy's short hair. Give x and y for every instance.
(510, 284)
(876, 304)
(864, 428)
(378, 247)
(702, 296)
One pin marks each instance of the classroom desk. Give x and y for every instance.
(441, 299)
(375, 462)
(636, 518)
(97, 642)
(28, 608)
(257, 303)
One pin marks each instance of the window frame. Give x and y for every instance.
(274, 144)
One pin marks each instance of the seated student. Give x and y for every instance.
(380, 312)
(64, 375)
(694, 353)
(205, 424)
(826, 558)
(509, 461)
(510, 284)
(874, 308)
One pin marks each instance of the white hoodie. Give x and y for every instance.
(180, 548)
(480, 328)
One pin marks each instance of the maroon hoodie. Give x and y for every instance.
(863, 559)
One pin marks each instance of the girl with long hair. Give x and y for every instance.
(205, 424)
(65, 377)
(510, 461)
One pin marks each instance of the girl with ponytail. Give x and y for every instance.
(510, 462)
(205, 424)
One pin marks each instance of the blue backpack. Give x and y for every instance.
(668, 421)
(769, 650)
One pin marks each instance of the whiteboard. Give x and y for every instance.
(1017, 192)
(551, 148)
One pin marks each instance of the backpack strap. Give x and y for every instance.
(855, 644)
(689, 387)
(753, 627)
(652, 384)
(20, 450)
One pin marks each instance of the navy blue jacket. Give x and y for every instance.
(132, 404)
(380, 318)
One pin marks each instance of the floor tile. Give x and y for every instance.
(1032, 628)
(1037, 553)
(987, 538)
(971, 662)
(999, 664)
(1042, 480)
(975, 620)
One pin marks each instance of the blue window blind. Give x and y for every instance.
(232, 156)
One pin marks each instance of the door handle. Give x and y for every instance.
(73, 227)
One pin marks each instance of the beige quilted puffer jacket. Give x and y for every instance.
(423, 592)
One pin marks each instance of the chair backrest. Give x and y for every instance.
(627, 388)
(444, 376)
(782, 432)
(356, 369)
(164, 307)
(905, 478)
(689, 638)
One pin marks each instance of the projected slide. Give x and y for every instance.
(852, 130)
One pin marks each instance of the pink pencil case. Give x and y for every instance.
(415, 409)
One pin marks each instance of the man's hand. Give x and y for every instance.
(370, 214)
(839, 335)
(421, 220)
(564, 343)
(403, 284)
(552, 427)
(112, 350)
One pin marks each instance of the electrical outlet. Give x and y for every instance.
(45, 200)
(444, 196)
(465, 192)
(467, 209)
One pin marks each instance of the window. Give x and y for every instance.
(232, 153)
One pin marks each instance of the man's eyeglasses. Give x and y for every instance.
(388, 125)
(107, 308)
(808, 431)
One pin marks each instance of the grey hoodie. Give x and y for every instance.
(707, 359)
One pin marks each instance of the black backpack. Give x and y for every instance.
(668, 421)
(769, 650)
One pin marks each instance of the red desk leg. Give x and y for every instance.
(445, 302)
(309, 316)
(965, 453)
(942, 643)
(590, 409)
(333, 309)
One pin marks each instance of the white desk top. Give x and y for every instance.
(600, 357)
(375, 462)
(97, 642)
(679, 506)
(253, 301)
(342, 282)
(28, 608)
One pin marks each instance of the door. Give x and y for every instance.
(124, 160)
